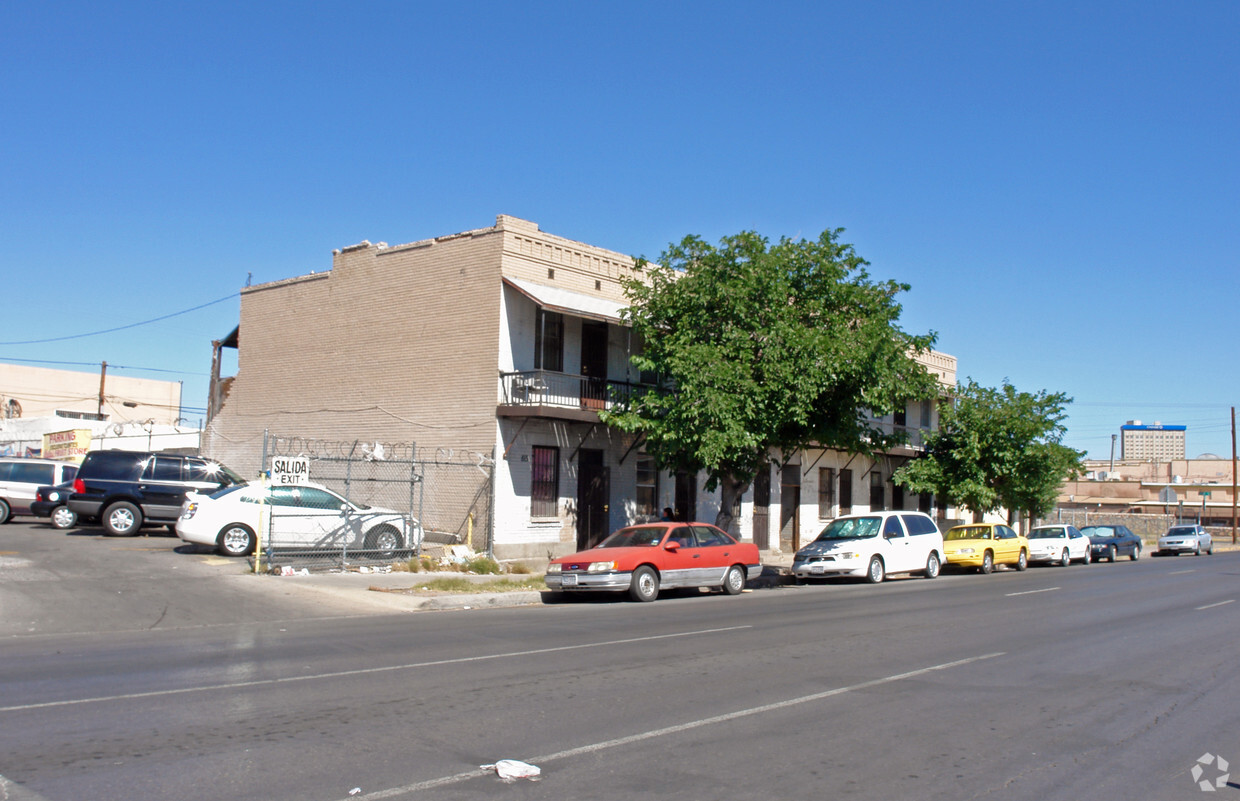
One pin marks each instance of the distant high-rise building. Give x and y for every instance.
(1156, 441)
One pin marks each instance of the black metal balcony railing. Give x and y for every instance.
(548, 388)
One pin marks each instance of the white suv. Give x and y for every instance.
(873, 545)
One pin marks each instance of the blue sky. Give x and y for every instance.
(1059, 182)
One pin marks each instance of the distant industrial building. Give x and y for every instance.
(1158, 442)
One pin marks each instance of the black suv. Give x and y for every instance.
(125, 489)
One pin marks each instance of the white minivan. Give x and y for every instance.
(872, 546)
(20, 479)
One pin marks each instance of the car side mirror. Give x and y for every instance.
(672, 545)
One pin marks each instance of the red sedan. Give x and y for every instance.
(645, 557)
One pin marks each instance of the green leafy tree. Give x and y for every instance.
(996, 448)
(764, 346)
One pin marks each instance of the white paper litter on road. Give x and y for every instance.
(512, 769)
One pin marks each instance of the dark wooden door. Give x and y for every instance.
(593, 488)
(790, 508)
(762, 508)
(593, 364)
(686, 496)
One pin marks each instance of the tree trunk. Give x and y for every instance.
(731, 488)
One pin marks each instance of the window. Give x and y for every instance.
(312, 498)
(647, 486)
(901, 418)
(917, 524)
(549, 341)
(924, 502)
(545, 482)
(826, 492)
(925, 414)
(164, 468)
(32, 473)
(897, 496)
(845, 491)
(876, 491)
(709, 537)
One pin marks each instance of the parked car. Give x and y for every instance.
(53, 503)
(645, 558)
(125, 489)
(874, 546)
(1110, 542)
(20, 479)
(298, 517)
(984, 545)
(1192, 539)
(1058, 544)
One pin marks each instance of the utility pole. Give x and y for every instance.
(1112, 457)
(103, 372)
(1233, 475)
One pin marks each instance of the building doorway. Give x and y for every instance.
(593, 364)
(790, 508)
(686, 496)
(593, 489)
(762, 507)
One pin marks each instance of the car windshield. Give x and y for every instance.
(850, 528)
(968, 533)
(1047, 534)
(635, 536)
(1098, 531)
(1181, 531)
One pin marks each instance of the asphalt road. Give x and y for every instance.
(1099, 682)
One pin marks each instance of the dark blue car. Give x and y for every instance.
(1111, 542)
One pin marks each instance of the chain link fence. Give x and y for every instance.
(407, 506)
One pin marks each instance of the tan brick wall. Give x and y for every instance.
(395, 344)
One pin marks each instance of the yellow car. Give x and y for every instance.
(984, 545)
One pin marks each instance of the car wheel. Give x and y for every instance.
(1111, 553)
(1065, 559)
(734, 581)
(932, 566)
(122, 519)
(1023, 561)
(876, 572)
(1136, 553)
(384, 539)
(1210, 550)
(988, 563)
(645, 586)
(6, 513)
(63, 517)
(1089, 556)
(236, 540)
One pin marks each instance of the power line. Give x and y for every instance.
(123, 327)
(96, 364)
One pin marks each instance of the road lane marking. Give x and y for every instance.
(1180, 572)
(366, 671)
(1220, 603)
(1030, 592)
(456, 778)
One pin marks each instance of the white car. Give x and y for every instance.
(1058, 545)
(873, 546)
(1185, 539)
(301, 517)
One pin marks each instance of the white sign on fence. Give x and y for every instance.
(286, 470)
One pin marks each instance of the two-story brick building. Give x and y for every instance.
(502, 342)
